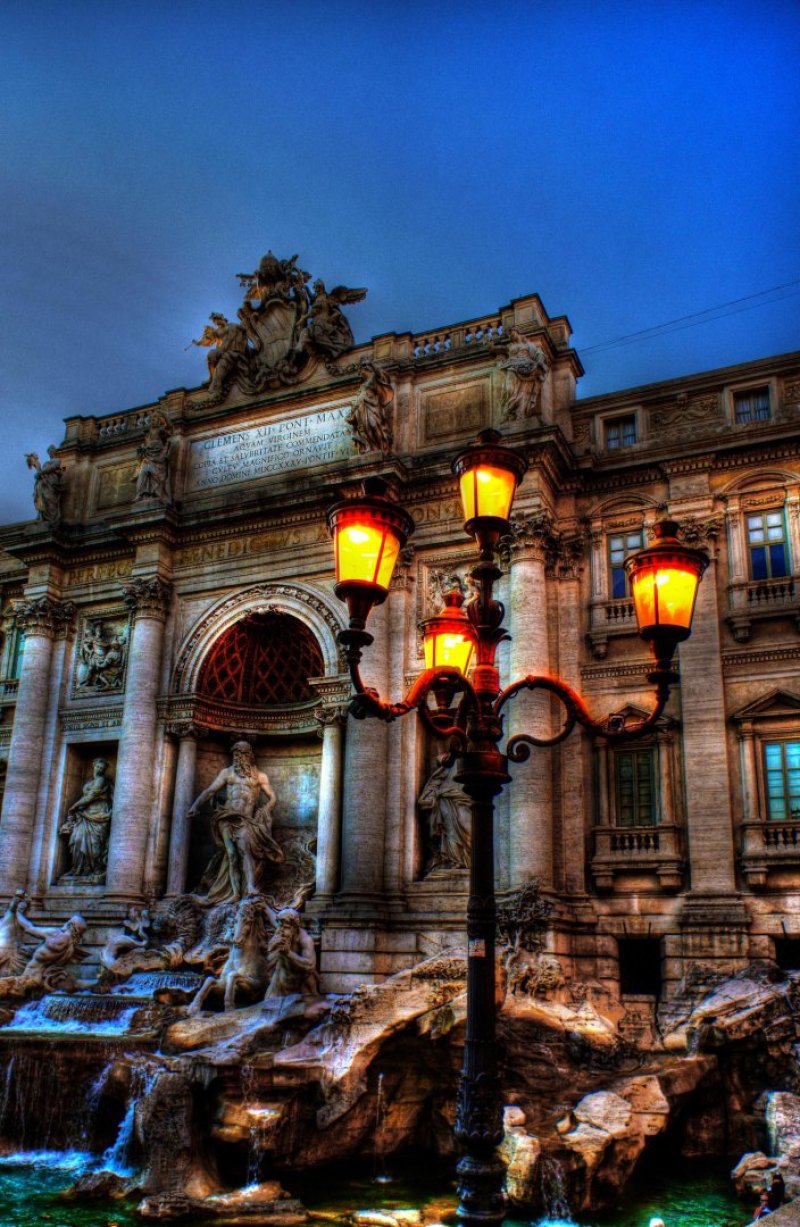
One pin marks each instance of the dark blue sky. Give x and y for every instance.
(632, 162)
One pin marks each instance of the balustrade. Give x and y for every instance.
(653, 848)
(441, 341)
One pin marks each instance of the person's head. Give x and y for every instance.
(242, 753)
(99, 766)
(77, 925)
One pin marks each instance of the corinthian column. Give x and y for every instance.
(530, 795)
(184, 796)
(148, 600)
(41, 619)
(331, 719)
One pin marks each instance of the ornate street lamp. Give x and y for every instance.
(664, 577)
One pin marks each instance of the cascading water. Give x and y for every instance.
(117, 1158)
(554, 1194)
(380, 1174)
(62, 1015)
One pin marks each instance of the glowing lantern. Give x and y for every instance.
(368, 535)
(488, 475)
(664, 578)
(448, 637)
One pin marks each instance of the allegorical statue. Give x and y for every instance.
(133, 936)
(227, 345)
(291, 957)
(244, 972)
(48, 486)
(14, 925)
(370, 413)
(45, 968)
(327, 329)
(241, 826)
(101, 657)
(526, 367)
(275, 278)
(87, 826)
(449, 814)
(152, 474)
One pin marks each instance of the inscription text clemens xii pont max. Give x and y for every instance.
(275, 447)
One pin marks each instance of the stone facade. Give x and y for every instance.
(154, 623)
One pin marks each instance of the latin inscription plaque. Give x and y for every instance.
(274, 447)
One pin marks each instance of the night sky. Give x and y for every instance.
(633, 163)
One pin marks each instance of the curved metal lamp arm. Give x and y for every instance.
(612, 727)
(367, 701)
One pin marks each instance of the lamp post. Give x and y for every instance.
(462, 703)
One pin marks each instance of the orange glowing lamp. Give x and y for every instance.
(448, 636)
(368, 535)
(488, 475)
(664, 578)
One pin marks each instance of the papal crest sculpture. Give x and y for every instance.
(285, 329)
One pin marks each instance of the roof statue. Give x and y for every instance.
(285, 329)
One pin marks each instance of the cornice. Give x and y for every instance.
(79, 719)
(183, 710)
(762, 656)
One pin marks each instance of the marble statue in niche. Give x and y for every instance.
(526, 367)
(86, 828)
(241, 826)
(152, 474)
(370, 413)
(448, 812)
(48, 486)
(102, 655)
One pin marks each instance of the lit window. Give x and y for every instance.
(766, 539)
(635, 793)
(751, 406)
(782, 759)
(621, 432)
(618, 550)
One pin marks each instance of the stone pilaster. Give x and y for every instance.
(331, 719)
(706, 767)
(531, 792)
(41, 619)
(401, 735)
(183, 796)
(365, 783)
(568, 565)
(148, 599)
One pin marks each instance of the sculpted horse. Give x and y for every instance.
(245, 968)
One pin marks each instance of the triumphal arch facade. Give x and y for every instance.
(175, 701)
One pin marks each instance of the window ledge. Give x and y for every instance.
(608, 619)
(759, 599)
(652, 848)
(769, 845)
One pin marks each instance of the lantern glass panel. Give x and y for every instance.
(365, 552)
(487, 490)
(448, 648)
(665, 596)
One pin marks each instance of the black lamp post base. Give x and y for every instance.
(481, 1196)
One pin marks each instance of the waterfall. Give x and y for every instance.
(62, 1015)
(554, 1193)
(91, 1100)
(379, 1173)
(117, 1157)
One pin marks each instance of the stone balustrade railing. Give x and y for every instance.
(654, 848)
(751, 600)
(769, 845)
(110, 429)
(443, 340)
(771, 593)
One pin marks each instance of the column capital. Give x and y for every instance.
(330, 714)
(44, 616)
(402, 579)
(530, 535)
(148, 598)
(185, 728)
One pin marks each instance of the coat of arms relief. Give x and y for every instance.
(285, 328)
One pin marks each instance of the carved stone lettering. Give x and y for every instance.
(275, 447)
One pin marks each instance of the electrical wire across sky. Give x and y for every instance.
(696, 318)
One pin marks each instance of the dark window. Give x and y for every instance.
(264, 659)
(621, 432)
(782, 762)
(787, 953)
(633, 770)
(752, 406)
(13, 654)
(766, 539)
(639, 966)
(619, 548)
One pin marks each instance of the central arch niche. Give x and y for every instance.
(260, 668)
